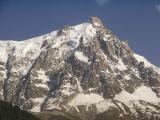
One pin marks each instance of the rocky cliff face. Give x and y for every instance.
(82, 70)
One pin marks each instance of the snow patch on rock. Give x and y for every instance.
(142, 93)
(121, 66)
(80, 56)
(38, 102)
(86, 99)
(92, 99)
(3, 53)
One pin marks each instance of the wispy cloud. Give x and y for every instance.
(158, 7)
(102, 2)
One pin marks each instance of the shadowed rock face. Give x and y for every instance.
(84, 71)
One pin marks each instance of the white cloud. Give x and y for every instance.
(158, 7)
(102, 2)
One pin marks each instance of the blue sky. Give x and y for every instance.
(137, 21)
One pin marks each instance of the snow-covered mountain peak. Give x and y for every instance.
(69, 35)
(84, 70)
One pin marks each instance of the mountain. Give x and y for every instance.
(83, 71)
